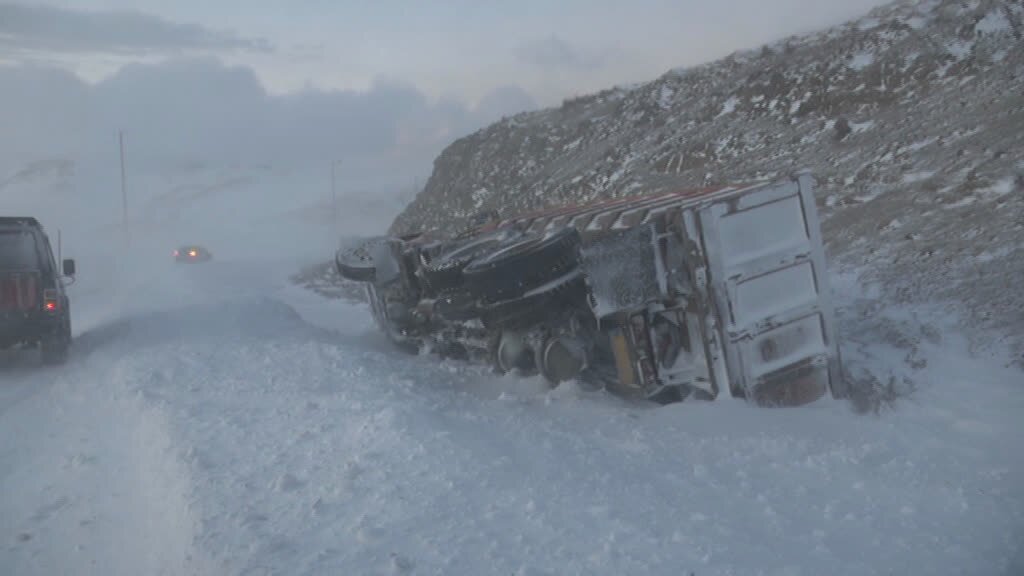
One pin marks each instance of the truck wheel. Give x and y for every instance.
(379, 311)
(561, 359)
(524, 265)
(444, 272)
(54, 347)
(511, 351)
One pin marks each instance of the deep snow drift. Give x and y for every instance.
(218, 421)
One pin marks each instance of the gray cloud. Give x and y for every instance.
(503, 100)
(200, 111)
(552, 52)
(41, 28)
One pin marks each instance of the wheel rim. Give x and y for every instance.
(513, 353)
(561, 360)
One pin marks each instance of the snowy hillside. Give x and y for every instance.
(910, 119)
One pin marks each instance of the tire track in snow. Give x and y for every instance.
(91, 482)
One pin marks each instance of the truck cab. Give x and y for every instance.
(35, 311)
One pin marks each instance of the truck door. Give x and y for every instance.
(766, 268)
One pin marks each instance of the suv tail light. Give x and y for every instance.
(50, 300)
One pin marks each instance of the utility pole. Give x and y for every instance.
(124, 195)
(124, 187)
(334, 195)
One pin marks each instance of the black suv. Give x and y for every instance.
(34, 308)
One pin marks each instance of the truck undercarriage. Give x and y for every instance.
(668, 297)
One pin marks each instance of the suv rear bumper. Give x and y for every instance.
(26, 327)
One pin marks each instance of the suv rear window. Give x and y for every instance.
(18, 250)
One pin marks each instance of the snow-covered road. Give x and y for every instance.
(216, 422)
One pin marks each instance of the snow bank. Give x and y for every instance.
(93, 483)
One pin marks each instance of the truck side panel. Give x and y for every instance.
(768, 281)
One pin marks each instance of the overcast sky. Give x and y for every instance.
(385, 84)
(458, 48)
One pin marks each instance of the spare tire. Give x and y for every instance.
(361, 262)
(524, 265)
(444, 272)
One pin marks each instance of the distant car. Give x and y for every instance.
(192, 254)
(34, 309)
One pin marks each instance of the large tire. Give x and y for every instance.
(523, 313)
(522, 266)
(444, 272)
(456, 306)
(357, 263)
(54, 347)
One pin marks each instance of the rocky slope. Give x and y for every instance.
(912, 119)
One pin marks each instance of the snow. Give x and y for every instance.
(858, 127)
(994, 21)
(959, 49)
(999, 189)
(620, 273)
(729, 106)
(861, 60)
(665, 95)
(795, 105)
(225, 423)
(873, 191)
(921, 144)
(480, 196)
(917, 22)
(919, 176)
(1002, 187)
(250, 441)
(996, 253)
(868, 24)
(965, 201)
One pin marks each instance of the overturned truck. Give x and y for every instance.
(674, 296)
